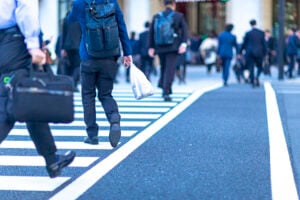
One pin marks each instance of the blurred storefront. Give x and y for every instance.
(203, 16)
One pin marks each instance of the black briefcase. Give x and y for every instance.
(42, 97)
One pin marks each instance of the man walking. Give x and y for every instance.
(70, 40)
(19, 23)
(167, 45)
(146, 60)
(255, 46)
(226, 43)
(98, 70)
(293, 44)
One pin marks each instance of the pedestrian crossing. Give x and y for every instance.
(136, 115)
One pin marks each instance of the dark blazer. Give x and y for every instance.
(71, 35)
(293, 44)
(144, 43)
(78, 14)
(180, 27)
(254, 43)
(226, 43)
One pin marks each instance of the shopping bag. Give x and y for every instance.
(140, 85)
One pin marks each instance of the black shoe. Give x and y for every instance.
(54, 169)
(114, 134)
(91, 140)
(167, 98)
(257, 82)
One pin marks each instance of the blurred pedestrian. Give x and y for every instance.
(293, 43)
(226, 43)
(71, 34)
(169, 46)
(143, 46)
(208, 50)
(195, 42)
(270, 58)
(181, 68)
(298, 53)
(19, 39)
(255, 48)
(136, 57)
(99, 68)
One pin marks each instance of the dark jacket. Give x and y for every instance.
(293, 44)
(144, 43)
(226, 43)
(78, 14)
(71, 34)
(180, 27)
(254, 43)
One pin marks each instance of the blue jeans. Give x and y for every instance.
(98, 75)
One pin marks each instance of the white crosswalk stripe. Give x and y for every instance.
(136, 115)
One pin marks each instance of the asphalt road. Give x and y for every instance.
(211, 142)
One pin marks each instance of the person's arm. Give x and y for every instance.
(123, 34)
(184, 37)
(123, 31)
(27, 17)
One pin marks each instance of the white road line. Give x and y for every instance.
(124, 94)
(89, 178)
(31, 183)
(124, 116)
(137, 103)
(282, 178)
(152, 99)
(60, 145)
(73, 133)
(101, 124)
(39, 161)
(132, 109)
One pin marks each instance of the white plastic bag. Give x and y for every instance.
(140, 85)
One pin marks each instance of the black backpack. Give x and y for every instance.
(164, 29)
(102, 34)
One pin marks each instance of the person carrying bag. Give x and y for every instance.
(19, 39)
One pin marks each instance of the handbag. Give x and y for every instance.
(41, 96)
(140, 85)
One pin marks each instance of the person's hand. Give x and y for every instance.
(63, 53)
(38, 56)
(151, 52)
(127, 60)
(182, 48)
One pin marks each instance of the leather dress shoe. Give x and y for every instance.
(55, 169)
(167, 98)
(114, 134)
(91, 140)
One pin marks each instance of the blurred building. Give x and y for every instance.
(203, 16)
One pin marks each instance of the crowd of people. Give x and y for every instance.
(92, 59)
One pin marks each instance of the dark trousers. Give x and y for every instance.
(253, 61)
(225, 68)
(74, 69)
(147, 65)
(98, 75)
(292, 62)
(168, 63)
(39, 132)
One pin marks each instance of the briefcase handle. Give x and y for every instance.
(41, 71)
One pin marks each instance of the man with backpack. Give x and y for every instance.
(168, 39)
(103, 26)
